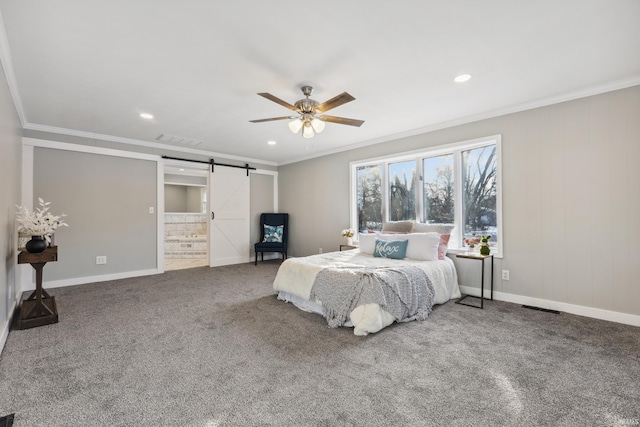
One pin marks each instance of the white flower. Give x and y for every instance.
(40, 222)
(348, 232)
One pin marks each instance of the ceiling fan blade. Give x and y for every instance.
(278, 101)
(334, 102)
(342, 120)
(272, 119)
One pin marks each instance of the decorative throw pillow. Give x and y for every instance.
(428, 228)
(273, 233)
(444, 244)
(367, 241)
(395, 249)
(397, 227)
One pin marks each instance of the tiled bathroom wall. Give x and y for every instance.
(185, 235)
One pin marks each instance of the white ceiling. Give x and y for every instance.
(87, 67)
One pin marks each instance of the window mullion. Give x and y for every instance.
(385, 191)
(458, 231)
(420, 190)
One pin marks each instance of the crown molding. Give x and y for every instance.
(141, 143)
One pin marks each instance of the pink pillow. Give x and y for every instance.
(442, 247)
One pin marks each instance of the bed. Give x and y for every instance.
(297, 281)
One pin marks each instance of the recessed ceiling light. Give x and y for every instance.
(271, 142)
(462, 78)
(146, 116)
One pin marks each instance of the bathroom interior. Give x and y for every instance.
(185, 222)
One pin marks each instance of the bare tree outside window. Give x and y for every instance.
(402, 191)
(438, 190)
(479, 168)
(369, 198)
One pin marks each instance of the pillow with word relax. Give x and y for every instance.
(273, 233)
(421, 246)
(395, 249)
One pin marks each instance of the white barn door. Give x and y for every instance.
(229, 238)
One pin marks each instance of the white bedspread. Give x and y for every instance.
(296, 276)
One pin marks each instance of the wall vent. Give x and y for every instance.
(180, 140)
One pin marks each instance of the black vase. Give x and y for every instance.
(36, 245)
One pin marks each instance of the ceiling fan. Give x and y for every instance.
(308, 111)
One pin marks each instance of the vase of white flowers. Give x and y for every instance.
(348, 233)
(40, 224)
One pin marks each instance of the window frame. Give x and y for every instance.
(456, 243)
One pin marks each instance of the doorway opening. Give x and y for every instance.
(186, 219)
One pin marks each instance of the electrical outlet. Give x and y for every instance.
(102, 259)
(505, 274)
(319, 250)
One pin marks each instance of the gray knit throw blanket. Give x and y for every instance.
(406, 292)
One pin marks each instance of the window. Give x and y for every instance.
(453, 184)
(479, 178)
(369, 198)
(438, 190)
(402, 191)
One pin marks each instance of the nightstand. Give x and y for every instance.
(482, 259)
(347, 247)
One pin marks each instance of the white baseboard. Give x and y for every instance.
(7, 324)
(91, 279)
(5, 332)
(579, 310)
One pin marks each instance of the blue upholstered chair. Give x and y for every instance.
(274, 231)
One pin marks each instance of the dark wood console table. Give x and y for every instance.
(40, 308)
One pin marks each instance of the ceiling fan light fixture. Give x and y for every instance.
(295, 125)
(307, 130)
(317, 124)
(307, 109)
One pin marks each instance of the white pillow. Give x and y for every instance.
(423, 246)
(367, 242)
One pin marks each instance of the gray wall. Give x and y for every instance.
(175, 198)
(181, 198)
(10, 177)
(194, 199)
(107, 201)
(113, 193)
(571, 199)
